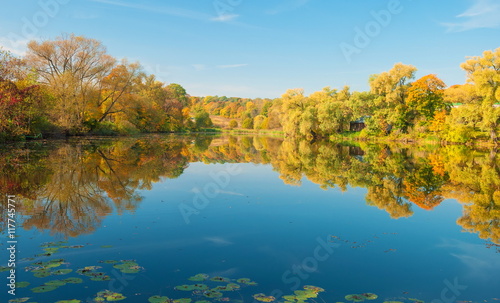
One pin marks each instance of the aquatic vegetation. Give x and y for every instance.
(110, 296)
(355, 298)
(212, 294)
(369, 296)
(69, 301)
(22, 284)
(199, 277)
(159, 299)
(219, 279)
(246, 281)
(19, 300)
(263, 298)
(44, 288)
(185, 287)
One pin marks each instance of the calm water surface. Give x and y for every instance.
(403, 223)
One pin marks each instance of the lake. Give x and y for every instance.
(243, 219)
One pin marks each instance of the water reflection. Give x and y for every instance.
(68, 187)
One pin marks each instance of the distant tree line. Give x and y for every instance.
(71, 85)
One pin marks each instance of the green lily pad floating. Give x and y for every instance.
(42, 274)
(115, 297)
(19, 300)
(61, 272)
(315, 289)
(212, 294)
(107, 246)
(56, 283)
(183, 300)
(69, 301)
(185, 287)
(109, 296)
(128, 267)
(200, 287)
(199, 277)
(416, 300)
(22, 284)
(100, 277)
(263, 298)
(4, 268)
(73, 280)
(305, 294)
(43, 288)
(51, 250)
(219, 279)
(159, 299)
(369, 296)
(233, 286)
(355, 298)
(109, 262)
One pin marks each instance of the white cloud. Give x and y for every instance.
(482, 14)
(225, 18)
(15, 47)
(231, 66)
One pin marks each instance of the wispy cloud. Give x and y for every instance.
(225, 18)
(482, 14)
(231, 66)
(17, 48)
(287, 5)
(171, 11)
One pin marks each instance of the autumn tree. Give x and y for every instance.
(484, 73)
(391, 89)
(425, 97)
(72, 67)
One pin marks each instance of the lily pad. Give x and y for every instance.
(109, 261)
(43, 288)
(42, 274)
(19, 300)
(263, 298)
(183, 300)
(115, 297)
(56, 283)
(22, 284)
(315, 289)
(355, 298)
(100, 277)
(200, 287)
(61, 272)
(4, 268)
(219, 279)
(212, 294)
(159, 299)
(185, 287)
(107, 246)
(199, 277)
(73, 280)
(369, 296)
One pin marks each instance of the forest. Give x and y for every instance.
(72, 86)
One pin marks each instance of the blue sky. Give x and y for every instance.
(261, 48)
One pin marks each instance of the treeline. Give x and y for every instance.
(397, 105)
(71, 85)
